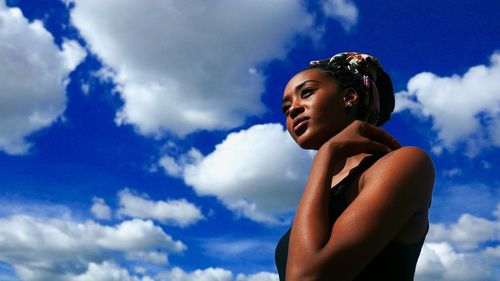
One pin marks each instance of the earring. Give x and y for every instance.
(348, 104)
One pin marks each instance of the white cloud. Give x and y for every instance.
(33, 77)
(56, 249)
(174, 167)
(213, 274)
(464, 109)
(106, 271)
(457, 251)
(343, 10)
(261, 276)
(176, 212)
(259, 173)
(244, 250)
(439, 261)
(154, 257)
(135, 235)
(62, 249)
(100, 209)
(12, 206)
(493, 252)
(468, 233)
(140, 270)
(189, 66)
(209, 274)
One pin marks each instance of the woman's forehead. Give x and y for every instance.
(303, 76)
(306, 73)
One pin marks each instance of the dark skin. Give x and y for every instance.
(387, 202)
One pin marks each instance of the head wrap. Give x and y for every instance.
(364, 67)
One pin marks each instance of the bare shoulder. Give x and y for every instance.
(407, 157)
(407, 170)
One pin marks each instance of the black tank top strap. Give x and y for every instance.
(363, 165)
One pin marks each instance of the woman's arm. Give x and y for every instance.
(396, 187)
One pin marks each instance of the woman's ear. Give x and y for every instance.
(351, 97)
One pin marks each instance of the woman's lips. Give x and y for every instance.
(300, 125)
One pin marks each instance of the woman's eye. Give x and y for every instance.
(285, 109)
(306, 93)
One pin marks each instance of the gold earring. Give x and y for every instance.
(348, 104)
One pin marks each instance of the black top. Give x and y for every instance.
(396, 261)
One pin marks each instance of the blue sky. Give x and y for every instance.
(145, 141)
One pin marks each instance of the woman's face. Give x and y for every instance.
(314, 107)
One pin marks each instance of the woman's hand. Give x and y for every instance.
(360, 137)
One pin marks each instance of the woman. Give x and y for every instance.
(363, 214)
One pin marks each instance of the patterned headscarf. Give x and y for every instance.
(364, 67)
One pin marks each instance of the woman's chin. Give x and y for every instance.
(308, 143)
(311, 140)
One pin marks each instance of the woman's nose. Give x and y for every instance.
(296, 109)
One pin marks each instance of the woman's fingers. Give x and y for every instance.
(361, 137)
(374, 147)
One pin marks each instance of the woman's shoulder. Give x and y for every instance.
(407, 170)
(407, 159)
(408, 154)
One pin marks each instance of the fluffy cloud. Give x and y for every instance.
(176, 212)
(174, 167)
(258, 173)
(62, 249)
(57, 249)
(154, 257)
(343, 10)
(106, 271)
(462, 108)
(189, 66)
(33, 78)
(261, 276)
(100, 209)
(209, 274)
(213, 274)
(468, 233)
(457, 251)
(439, 261)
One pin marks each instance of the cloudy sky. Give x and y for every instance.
(143, 140)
